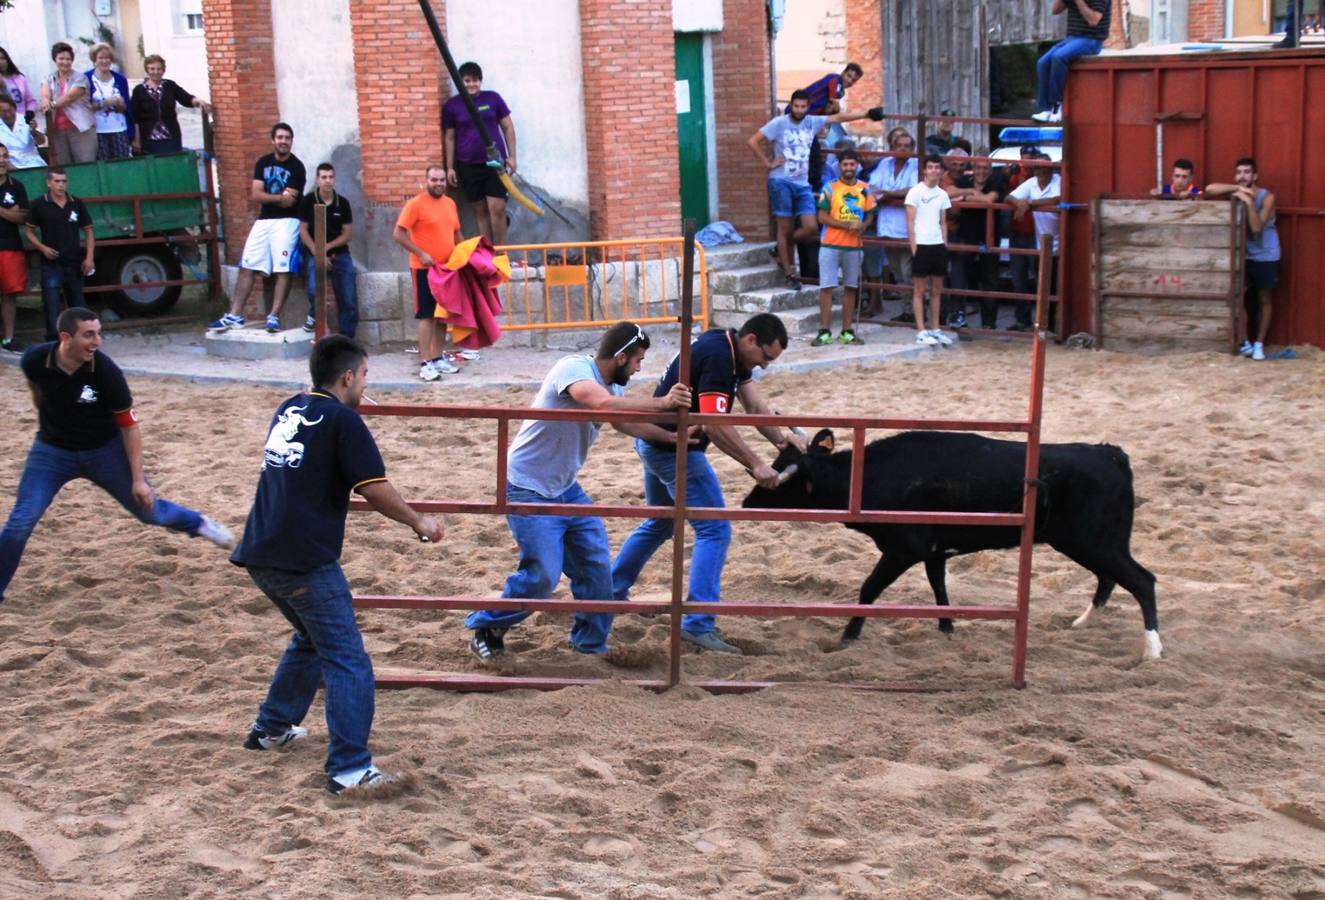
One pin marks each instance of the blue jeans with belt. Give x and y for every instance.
(326, 650)
(340, 272)
(1052, 67)
(549, 546)
(59, 280)
(712, 536)
(50, 468)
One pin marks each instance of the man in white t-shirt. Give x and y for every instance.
(927, 232)
(789, 193)
(544, 459)
(1039, 194)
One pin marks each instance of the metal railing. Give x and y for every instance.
(681, 511)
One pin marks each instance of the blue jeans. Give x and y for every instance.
(712, 536)
(340, 270)
(326, 649)
(59, 279)
(549, 546)
(50, 468)
(1052, 67)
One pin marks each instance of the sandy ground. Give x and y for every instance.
(131, 662)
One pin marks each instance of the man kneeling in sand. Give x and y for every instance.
(318, 450)
(541, 468)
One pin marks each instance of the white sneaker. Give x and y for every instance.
(468, 355)
(926, 338)
(942, 337)
(215, 532)
(1056, 116)
(1257, 351)
(442, 365)
(428, 372)
(1044, 115)
(1245, 349)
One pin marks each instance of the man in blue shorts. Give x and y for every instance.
(86, 428)
(791, 137)
(541, 468)
(722, 363)
(318, 450)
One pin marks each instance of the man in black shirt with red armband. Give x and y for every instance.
(87, 428)
(722, 362)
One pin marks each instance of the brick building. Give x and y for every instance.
(594, 87)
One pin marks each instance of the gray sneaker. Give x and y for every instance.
(710, 640)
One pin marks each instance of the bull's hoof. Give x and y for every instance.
(1153, 649)
(848, 637)
(945, 626)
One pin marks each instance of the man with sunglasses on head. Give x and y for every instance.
(722, 364)
(544, 459)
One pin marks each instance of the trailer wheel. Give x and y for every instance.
(138, 266)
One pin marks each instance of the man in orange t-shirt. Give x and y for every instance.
(429, 228)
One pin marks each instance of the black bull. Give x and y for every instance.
(1083, 510)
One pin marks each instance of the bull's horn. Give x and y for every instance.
(799, 432)
(787, 474)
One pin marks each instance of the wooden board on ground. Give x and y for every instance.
(1168, 274)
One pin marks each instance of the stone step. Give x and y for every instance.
(747, 278)
(769, 299)
(737, 256)
(799, 322)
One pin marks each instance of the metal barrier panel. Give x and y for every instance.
(676, 607)
(586, 284)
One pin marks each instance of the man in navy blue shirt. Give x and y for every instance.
(721, 370)
(318, 450)
(86, 428)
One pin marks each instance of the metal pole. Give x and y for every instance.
(320, 268)
(682, 448)
(212, 207)
(1032, 467)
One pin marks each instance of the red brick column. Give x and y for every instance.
(743, 102)
(629, 59)
(402, 84)
(864, 36)
(243, 87)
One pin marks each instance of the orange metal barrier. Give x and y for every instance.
(586, 284)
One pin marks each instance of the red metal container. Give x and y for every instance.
(1215, 108)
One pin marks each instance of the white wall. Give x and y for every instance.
(315, 90)
(185, 52)
(28, 29)
(530, 54)
(697, 15)
(813, 36)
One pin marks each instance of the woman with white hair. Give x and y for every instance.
(110, 100)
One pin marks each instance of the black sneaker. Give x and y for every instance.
(371, 782)
(957, 320)
(11, 345)
(487, 643)
(903, 317)
(824, 338)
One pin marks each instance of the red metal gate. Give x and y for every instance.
(1025, 520)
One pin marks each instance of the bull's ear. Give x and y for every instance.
(823, 441)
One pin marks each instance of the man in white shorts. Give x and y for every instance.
(273, 241)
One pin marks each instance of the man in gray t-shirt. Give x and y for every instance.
(541, 468)
(790, 196)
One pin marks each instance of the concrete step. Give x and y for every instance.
(769, 299)
(746, 278)
(737, 256)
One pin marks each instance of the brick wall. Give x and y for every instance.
(864, 35)
(1205, 20)
(629, 58)
(741, 73)
(243, 87)
(401, 128)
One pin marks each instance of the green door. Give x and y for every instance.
(692, 128)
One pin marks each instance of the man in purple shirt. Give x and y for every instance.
(467, 156)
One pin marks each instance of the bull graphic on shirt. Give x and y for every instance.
(282, 449)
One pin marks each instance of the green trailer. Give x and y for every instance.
(148, 214)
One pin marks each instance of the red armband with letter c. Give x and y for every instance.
(714, 403)
(127, 419)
